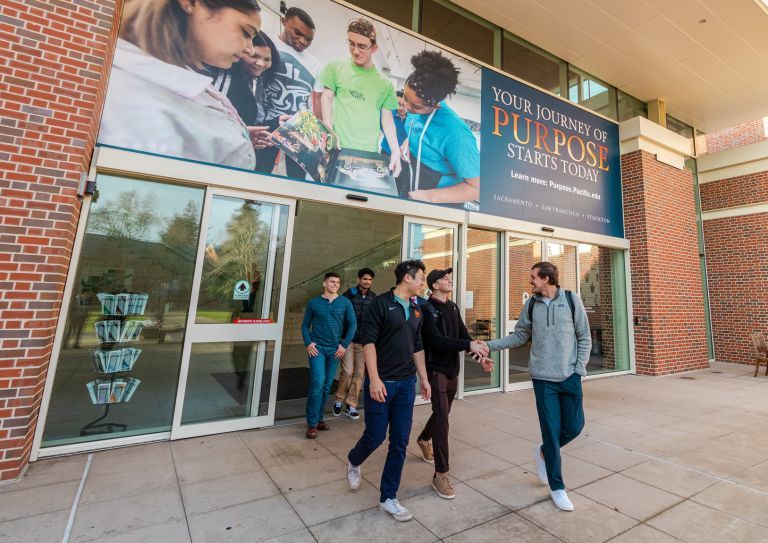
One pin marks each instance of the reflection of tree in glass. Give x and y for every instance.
(128, 216)
(182, 229)
(242, 254)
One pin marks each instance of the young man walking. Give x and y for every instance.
(393, 351)
(353, 364)
(328, 327)
(445, 336)
(557, 322)
(357, 100)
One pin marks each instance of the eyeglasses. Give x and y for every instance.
(362, 47)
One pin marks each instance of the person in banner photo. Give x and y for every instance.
(244, 85)
(399, 116)
(357, 100)
(443, 161)
(292, 86)
(160, 98)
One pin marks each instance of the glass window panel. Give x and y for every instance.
(592, 93)
(630, 107)
(564, 257)
(483, 303)
(433, 245)
(679, 127)
(445, 24)
(244, 239)
(228, 380)
(530, 65)
(118, 368)
(522, 254)
(603, 291)
(397, 11)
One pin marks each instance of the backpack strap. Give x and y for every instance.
(531, 302)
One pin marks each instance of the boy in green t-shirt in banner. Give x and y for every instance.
(357, 99)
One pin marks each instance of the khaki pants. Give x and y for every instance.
(352, 374)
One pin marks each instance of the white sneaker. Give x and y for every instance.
(541, 467)
(560, 498)
(393, 507)
(353, 476)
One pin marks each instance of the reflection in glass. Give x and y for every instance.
(433, 245)
(591, 92)
(630, 107)
(118, 368)
(243, 241)
(564, 257)
(447, 24)
(605, 303)
(228, 381)
(530, 65)
(483, 303)
(522, 254)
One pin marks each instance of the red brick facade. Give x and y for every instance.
(736, 136)
(54, 62)
(737, 265)
(667, 292)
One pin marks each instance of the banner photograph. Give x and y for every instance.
(320, 93)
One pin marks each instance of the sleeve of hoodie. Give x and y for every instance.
(374, 316)
(583, 335)
(435, 340)
(351, 322)
(520, 335)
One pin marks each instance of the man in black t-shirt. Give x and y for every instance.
(391, 338)
(444, 336)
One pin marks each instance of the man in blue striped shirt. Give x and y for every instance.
(328, 327)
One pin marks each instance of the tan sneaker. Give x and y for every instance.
(443, 487)
(426, 451)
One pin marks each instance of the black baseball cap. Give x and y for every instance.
(436, 275)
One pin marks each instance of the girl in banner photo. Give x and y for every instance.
(443, 161)
(160, 98)
(244, 84)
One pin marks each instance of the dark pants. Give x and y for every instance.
(443, 392)
(397, 413)
(561, 418)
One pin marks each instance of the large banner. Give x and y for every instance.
(318, 93)
(547, 161)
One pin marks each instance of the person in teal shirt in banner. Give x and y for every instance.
(443, 160)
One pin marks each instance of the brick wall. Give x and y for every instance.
(737, 274)
(54, 60)
(667, 296)
(737, 265)
(735, 136)
(734, 192)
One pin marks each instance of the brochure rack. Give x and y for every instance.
(115, 358)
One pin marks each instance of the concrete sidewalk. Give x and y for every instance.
(679, 458)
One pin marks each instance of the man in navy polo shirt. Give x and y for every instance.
(328, 327)
(391, 338)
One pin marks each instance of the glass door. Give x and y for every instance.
(235, 324)
(435, 244)
(521, 255)
(482, 303)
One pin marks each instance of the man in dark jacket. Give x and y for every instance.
(444, 336)
(353, 364)
(394, 354)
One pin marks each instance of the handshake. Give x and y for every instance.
(480, 352)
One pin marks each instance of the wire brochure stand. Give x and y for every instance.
(115, 358)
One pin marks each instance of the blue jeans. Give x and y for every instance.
(322, 370)
(396, 412)
(561, 418)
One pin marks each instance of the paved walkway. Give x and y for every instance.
(664, 459)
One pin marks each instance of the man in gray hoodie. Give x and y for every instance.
(560, 348)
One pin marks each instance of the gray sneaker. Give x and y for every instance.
(393, 507)
(353, 476)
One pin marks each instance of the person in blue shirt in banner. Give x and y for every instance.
(443, 161)
(399, 116)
